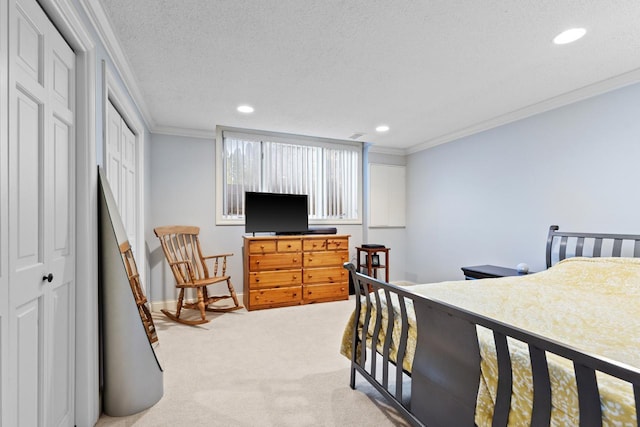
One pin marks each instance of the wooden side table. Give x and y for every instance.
(372, 262)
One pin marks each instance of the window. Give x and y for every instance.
(328, 171)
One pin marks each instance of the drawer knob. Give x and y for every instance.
(257, 280)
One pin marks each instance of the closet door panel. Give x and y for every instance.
(61, 187)
(62, 365)
(27, 195)
(29, 350)
(29, 51)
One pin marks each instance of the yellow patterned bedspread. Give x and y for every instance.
(591, 304)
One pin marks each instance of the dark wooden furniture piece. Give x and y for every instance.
(372, 262)
(181, 247)
(290, 270)
(489, 272)
(562, 244)
(446, 365)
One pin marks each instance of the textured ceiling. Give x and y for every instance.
(431, 70)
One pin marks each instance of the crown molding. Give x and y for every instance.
(102, 24)
(177, 131)
(565, 99)
(378, 149)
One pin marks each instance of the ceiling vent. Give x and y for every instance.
(356, 135)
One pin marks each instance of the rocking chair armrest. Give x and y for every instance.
(223, 267)
(217, 256)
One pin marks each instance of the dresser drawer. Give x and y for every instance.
(278, 296)
(331, 292)
(325, 275)
(293, 245)
(262, 246)
(337, 244)
(326, 244)
(285, 261)
(315, 244)
(273, 279)
(325, 259)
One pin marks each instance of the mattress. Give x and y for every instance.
(591, 304)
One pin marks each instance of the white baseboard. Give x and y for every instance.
(171, 304)
(160, 305)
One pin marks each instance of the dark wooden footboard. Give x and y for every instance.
(383, 372)
(445, 373)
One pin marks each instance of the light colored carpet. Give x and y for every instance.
(277, 367)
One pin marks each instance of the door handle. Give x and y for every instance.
(48, 278)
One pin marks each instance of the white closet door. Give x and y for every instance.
(41, 221)
(121, 155)
(129, 184)
(113, 153)
(4, 214)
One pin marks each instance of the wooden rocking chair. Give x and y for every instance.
(136, 289)
(181, 246)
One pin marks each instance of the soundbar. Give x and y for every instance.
(322, 230)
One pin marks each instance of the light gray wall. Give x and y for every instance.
(490, 198)
(182, 187)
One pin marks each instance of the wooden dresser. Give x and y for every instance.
(291, 270)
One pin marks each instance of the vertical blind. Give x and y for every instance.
(327, 173)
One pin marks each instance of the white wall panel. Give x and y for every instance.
(387, 184)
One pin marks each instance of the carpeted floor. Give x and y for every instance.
(278, 367)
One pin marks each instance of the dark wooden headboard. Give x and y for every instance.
(562, 244)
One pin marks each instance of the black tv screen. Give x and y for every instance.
(276, 213)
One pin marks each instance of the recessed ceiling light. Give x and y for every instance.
(382, 128)
(245, 109)
(569, 36)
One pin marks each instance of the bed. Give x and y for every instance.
(559, 347)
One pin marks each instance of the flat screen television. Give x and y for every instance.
(276, 213)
